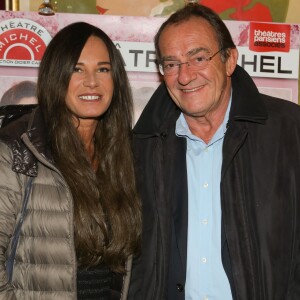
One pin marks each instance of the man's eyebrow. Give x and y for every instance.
(169, 58)
(190, 53)
(197, 50)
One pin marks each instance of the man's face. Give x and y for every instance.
(197, 92)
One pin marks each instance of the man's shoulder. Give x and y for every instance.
(281, 107)
(159, 110)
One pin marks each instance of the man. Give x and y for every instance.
(218, 166)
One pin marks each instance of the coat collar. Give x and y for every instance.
(247, 103)
(160, 111)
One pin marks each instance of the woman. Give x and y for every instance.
(82, 220)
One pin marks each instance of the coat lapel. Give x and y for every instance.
(175, 183)
(180, 201)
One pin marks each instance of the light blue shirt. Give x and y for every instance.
(205, 277)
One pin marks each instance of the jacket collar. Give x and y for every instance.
(37, 134)
(26, 137)
(161, 111)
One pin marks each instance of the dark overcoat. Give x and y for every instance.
(260, 197)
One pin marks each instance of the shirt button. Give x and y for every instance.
(205, 185)
(179, 287)
(205, 298)
(204, 222)
(204, 260)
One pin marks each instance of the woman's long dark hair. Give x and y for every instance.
(106, 207)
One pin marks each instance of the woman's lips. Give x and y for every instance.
(90, 97)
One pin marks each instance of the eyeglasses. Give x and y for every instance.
(197, 62)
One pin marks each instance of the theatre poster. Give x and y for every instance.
(269, 52)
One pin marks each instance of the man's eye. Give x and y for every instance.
(170, 66)
(199, 59)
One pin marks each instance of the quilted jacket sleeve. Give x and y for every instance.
(10, 200)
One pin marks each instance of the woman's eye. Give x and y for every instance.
(104, 70)
(77, 70)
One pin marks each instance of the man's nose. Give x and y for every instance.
(185, 73)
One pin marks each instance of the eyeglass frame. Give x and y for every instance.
(207, 60)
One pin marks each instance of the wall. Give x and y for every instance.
(244, 10)
(256, 10)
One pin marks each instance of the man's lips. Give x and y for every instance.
(101, 10)
(191, 90)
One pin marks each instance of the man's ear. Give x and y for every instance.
(231, 61)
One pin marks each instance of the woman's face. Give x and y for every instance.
(91, 86)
